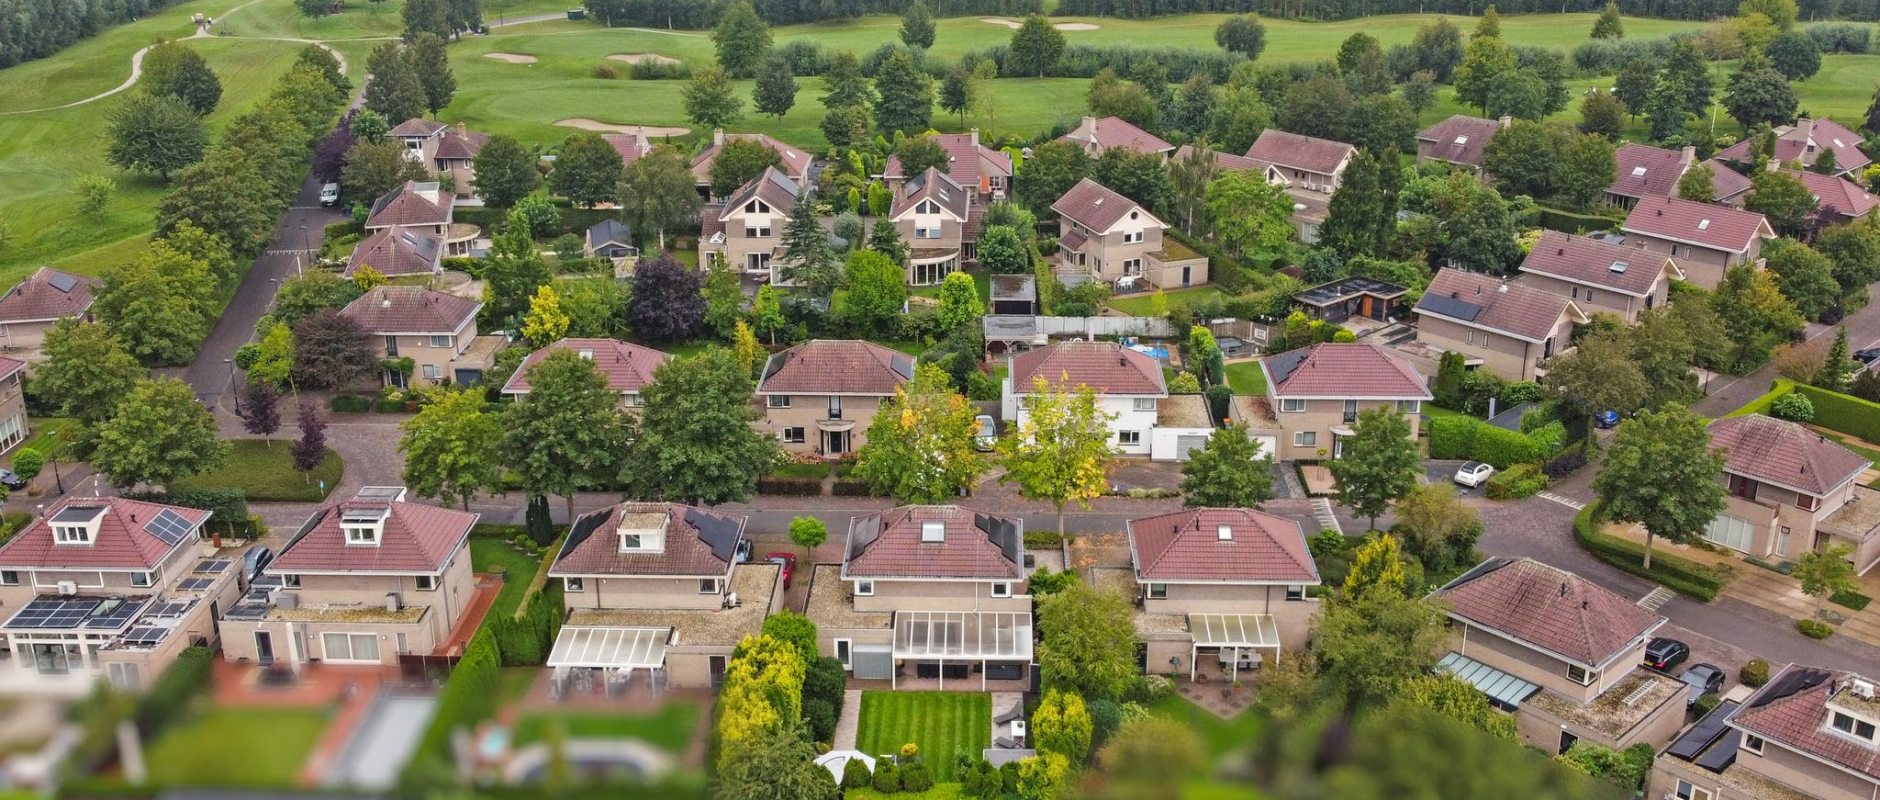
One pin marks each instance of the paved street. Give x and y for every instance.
(1729, 394)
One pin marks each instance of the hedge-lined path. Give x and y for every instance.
(850, 720)
(1863, 326)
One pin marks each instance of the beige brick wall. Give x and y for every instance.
(936, 595)
(637, 592)
(1320, 417)
(807, 409)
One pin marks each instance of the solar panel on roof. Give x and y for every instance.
(78, 513)
(168, 526)
(1451, 307)
(213, 566)
(146, 636)
(196, 584)
(169, 610)
(1704, 733)
(63, 282)
(114, 613)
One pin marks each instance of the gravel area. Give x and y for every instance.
(832, 602)
(753, 583)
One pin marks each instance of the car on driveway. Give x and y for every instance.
(788, 560)
(1867, 356)
(11, 479)
(1664, 654)
(1606, 419)
(329, 194)
(1702, 679)
(985, 433)
(1473, 474)
(255, 560)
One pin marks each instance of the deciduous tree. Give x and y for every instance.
(917, 28)
(1248, 214)
(431, 64)
(1586, 169)
(903, 95)
(453, 447)
(374, 168)
(696, 444)
(960, 305)
(1826, 572)
(1759, 95)
(505, 171)
(741, 39)
(710, 99)
(1060, 449)
(1036, 46)
(1088, 645)
(86, 371)
(159, 434)
(1241, 34)
(1052, 170)
(587, 171)
(154, 134)
(1783, 199)
(568, 433)
(920, 445)
(1697, 184)
(667, 304)
(1805, 276)
(1231, 471)
(175, 69)
(774, 93)
(1369, 645)
(1379, 463)
(1661, 471)
(331, 350)
(740, 161)
(261, 412)
(395, 93)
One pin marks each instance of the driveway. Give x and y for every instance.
(1863, 329)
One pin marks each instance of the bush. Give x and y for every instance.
(1754, 674)
(1843, 412)
(389, 406)
(1105, 717)
(605, 72)
(1327, 542)
(1853, 600)
(801, 487)
(469, 697)
(178, 685)
(1678, 574)
(1476, 440)
(1841, 37)
(1813, 629)
(855, 775)
(823, 684)
(915, 778)
(887, 777)
(1706, 704)
(845, 487)
(351, 404)
(1517, 482)
(1793, 407)
(1567, 462)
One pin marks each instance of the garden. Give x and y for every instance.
(942, 725)
(264, 472)
(236, 747)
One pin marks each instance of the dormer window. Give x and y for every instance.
(933, 531)
(76, 524)
(757, 207)
(71, 534)
(367, 535)
(1853, 726)
(643, 533)
(364, 527)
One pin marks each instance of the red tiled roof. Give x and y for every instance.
(1725, 183)
(1793, 709)
(8, 366)
(772, 187)
(1838, 195)
(1703, 224)
(975, 221)
(1510, 308)
(1548, 608)
(935, 185)
(628, 367)
(1115, 132)
(1344, 370)
(398, 251)
(1294, 151)
(122, 539)
(1589, 262)
(1107, 367)
(964, 161)
(698, 542)
(410, 309)
(836, 366)
(1792, 143)
(461, 144)
(416, 127)
(406, 205)
(630, 146)
(1645, 171)
(415, 538)
(711, 221)
(1186, 545)
(1460, 139)
(1783, 453)
(39, 297)
(888, 545)
(1095, 206)
(1226, 162)
(795, 159)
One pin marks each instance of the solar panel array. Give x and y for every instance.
(169, 526)
(212, 566)
(53, 613)
(147, 636)
(195, 584)
(1451, 307)
(114, 613)
(171, 609)
(78, 513)
(63, 282)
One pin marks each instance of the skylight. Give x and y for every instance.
(1638, 172)
(1462, 140)
(1703, 226)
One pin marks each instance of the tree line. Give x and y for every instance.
(702, 14)
(39, 28)
(1352, 9)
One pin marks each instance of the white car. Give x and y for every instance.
(329, 194)
(1473, 474)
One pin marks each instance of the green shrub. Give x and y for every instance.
(887, 777)
(1327, 542)
(1754, 673)
(844, 487)
(1706, 704)
(1760, 405)
(469, 697)
(1678, 574)
(178, 685)
(1813, 629)
(1853, 600)
(1845, 413)
(1043, 539)
(801, 487)
(1517, 482)
(1793, 407)
(915, 778)
(855, 775)
(1475, 440)
(351, 404)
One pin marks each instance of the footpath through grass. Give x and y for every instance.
(267, 475)
(236, 747)
(941, 723)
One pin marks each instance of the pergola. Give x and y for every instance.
(961, 636)
(623, 649)
(1233, 632)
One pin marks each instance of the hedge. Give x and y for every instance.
(1761, 404)
(525, 641)
(1517, 482)
(802, 487)
(1453, 437)
(1563, 220)
(178, 685)
(1845, 413)
(226, 506)
(469, 697)
(351, 404)
(1678, 574)
(849, 487)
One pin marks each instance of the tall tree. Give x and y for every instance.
(917, 28)
(1835, 369)
(1229, 472)
(1697, 184)
(374, 168)
(724, 300)
(261, 412)
(1054, 167)
(1437, 47)
(807, 258)
(1759, 95)
(885, 238)
(1241, 34)
(844, 83)
(425, 16)
(667, 304)
(1754, 314)
(1660, 471)
(779, 766)
(1826, 572)
(1608, 26)
(174, 69)
(920, 445)
(877, 290)
(1139, 176)
(155, 305)
(159, 434)
(511, 271)
(587, 172)
(1489, 26)
(657, 192)
(1036, 46)
(1087, 642)
(1602, 113)
(331, 350)
(710, 99)
(1351, 220)
(568, 432)
(1665, 108)
(1483, 59)
(696, 444)
(431, 64)
(1061, 450)
(956, 93)
(1598, 376)
(903, 95)
(741, 38)
(309, 451)
(960, 305)
(1524, 157)
(1692, 71)
(1247, 214)
(1369, 646)
(505, 171)
(394, 92)
(453, 447)
(738, 162)
(1805, 276)
(1379, 463)
(917, 153)
(775, 91)
(1188, 178)
(86, 371)
(1634, 85)
(1783, 198)
(1586, 169)
(156, 133)
(1794, 54)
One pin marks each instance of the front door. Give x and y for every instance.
(264, 648)
(1187, 275)
(717, 665)
(838, 442)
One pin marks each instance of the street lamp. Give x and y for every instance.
(303, 250)
(56, 479)
(231, 385)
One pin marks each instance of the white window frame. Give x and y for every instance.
(1002, 589)
(71, 534)
(1585, 677)
(425, 583)
(352, 647)
(441, 340)
(848, 658)
(433, 372)
(864, 588)
(1409, 406)
(9, 577)
(1132, 237)
(1689, 791)
(573, 584)
(1156, 591)
(290, 581)
(777, 401)
(1132, 266)
(1753, 743)
(361, 535)
(125, 675)
(142, 580)
(1295, 591)
(793, 435)
(1129, 438)
(708, 586)
(1305, 438)
(1292, 405)
(1143, 404)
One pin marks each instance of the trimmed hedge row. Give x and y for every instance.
(798, 487)
(1563, 220)
(469, 697)
(1844, 412)
(1761, 405)
(1680, 575)
(1476, 440)
(178, 685)
(1517, 482)
(850, 487)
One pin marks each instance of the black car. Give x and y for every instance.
(11, 479)
(1665, 655)
(1702, 679)
(1868, 355)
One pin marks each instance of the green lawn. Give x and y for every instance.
(1138, 305)
(982, 280)
(941, 723)
(1218, 736)
(1246, 377)
(267, 473)
(817, 471)
(487, 555)
(42, 438)
(236, 747)
(669, 729)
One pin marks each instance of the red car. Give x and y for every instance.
(788, 560)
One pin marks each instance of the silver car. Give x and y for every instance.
(987, 433)
(329, 194)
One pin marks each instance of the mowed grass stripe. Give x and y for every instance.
(941, 723)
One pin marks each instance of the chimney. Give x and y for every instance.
(1689, 156)
(975, 135)
(1805, 127)
(1505, 121)
(463, 131)
(1091, 123)
(718, 137)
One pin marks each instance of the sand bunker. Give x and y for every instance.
(1063, 26)
(608, 127)
(643, 58)
(512, 58)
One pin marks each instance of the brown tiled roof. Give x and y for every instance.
(1115, 132)
(1725, 183)
(1838, 195)
(398, 251)
(1590, 262)
(1645, 171)
(1713, 226)
(416, 127)
(772, 187)
(1072, 240)
(888, 545)
(1343, 370)
(964, 161)
(630, 146)
(1783, 453)
(8, 366)
(836, 366)
(1107, 367)
(415, 538)
(1226, 162)
(406, 206)
(795, 159)
(711, 220)
(1292, 150)
(124, 539)
(1460, 139)
(1187, 545)
(40, 297)
(1510, 308)
(698, 542)
(461, 144)
(1095, 206)
(628, 367)
(1792, 143)
(931, 185)
(1548, 608)
(410, 309)
(1792, 708)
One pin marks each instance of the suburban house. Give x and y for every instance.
(931, 212)
(1224, 586)
(14, 425)
(1807, 733)
(1345, 298)
(106, 587)
(1642, 172)
(1097, 135)
(931, 593)
(796, 161)
(1148, 421)
(832, 387)
(1791, 490)
(442, 148)
(422, 206)
(657, 587)
(1805, 141)
(1262, 424)
(399, 252)
(437, 331)
(1508, 328)
(34, 305)
(1844, 200)
(364, 581)
(1601, 277)
(630, 146)
(1110, 238)
(747, 231)
(1303, 162)
(1458, 141)
(1561, 653)
(1320, 389)
(1704, 239)
(610, 239)
(627, 367)
(985, 173)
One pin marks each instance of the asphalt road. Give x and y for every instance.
(1863, 330)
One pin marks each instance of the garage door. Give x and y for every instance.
(1186, 445)
(1269, 446)
(1730, 532)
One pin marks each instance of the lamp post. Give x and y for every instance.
(231, 385)
(303, 250)
(56, 479)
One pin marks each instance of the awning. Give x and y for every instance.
(1504, 691)
(610, 648)
(963, 635)
(1234, 630)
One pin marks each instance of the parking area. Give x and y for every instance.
(1705, 650)
(1442, 470)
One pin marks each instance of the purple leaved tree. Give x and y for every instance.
(261, 412)
(310, 451)
(667, 304)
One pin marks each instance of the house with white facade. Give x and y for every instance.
(1146, 420)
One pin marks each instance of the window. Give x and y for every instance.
(9, 577)
(1305, 438)
(864, 588)
(140, 579)
(835, 407)
(1158, 591)
(1132, 237)
(440, 341)
(708, 586)
(1144, 404)
(1576, 292)
(1296, 591)
(1409, 406)
(1002, 589)
(777, 401)
(756, 231)
(926, 233)
(125, 676)
(633, 400)
(1859, 728)
(362, 535)
(933, 531)
(1589, 295)
(71, 534)
(1688, 792)
(433, 372)
(1351, 411)
(290, 581)
(792, 435)
(1807, 502)
(1578, 675)
(1292, 404)
(1753, 743)
(1674, 251)
(573, 585)
(1742, 487)
(1648, 300)
(351, 647)
(1132, 266)
(1128, 438)
(845, 651)
(426, 583)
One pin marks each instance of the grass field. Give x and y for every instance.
(488, 555)
(1140, 305)
(267, 474)
(669, 729)
(1246, 377)
(236, 747)
(941, 723)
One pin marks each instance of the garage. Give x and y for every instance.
(1732, 532)
(1177, 444)
(1185, 446)
(1269, 445)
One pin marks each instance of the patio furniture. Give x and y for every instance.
(1003, 743)
(1016, 712)
(1018, 729)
